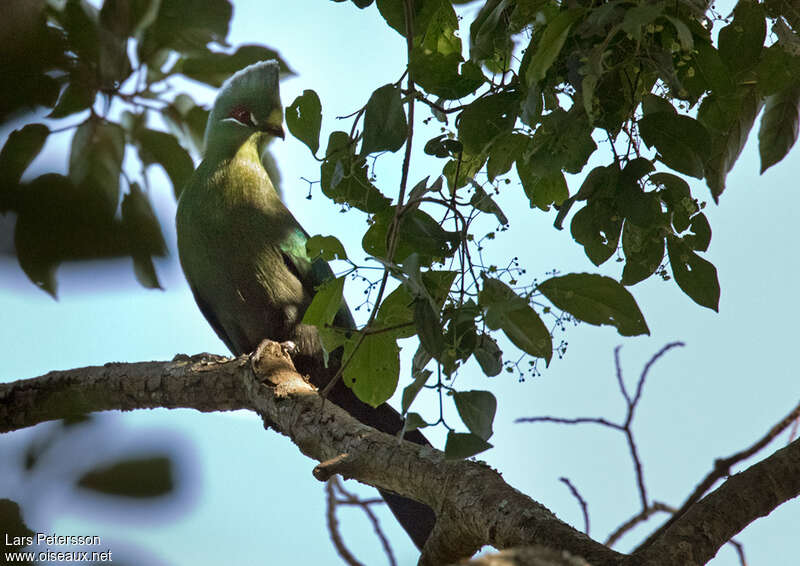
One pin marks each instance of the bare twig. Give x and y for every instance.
(333, 526)
(333, 486)
(722, 468)
(581, 501)
(640, 517)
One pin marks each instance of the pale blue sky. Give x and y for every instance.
(251, 497)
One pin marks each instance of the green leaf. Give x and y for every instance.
(477, 410)
(429, 327)
(597, 227)
(488, 355)
(374, 368)
(644, 250)
(741, 41)
(187, 121)
(76, 97)
(385, 126)
(412, 390)
(682, 142)
(504, 151)
(326, 303)
(213, 68)
(304, 119)
(701, 237)
(729, 120)
(483, 202)
(20, 149)
(326, 247)
(677, 195)
(135, 477)
(548, 45)
(344, 176)
(95, 162)
(779, 126)
(164, 149)
(542, 191)
(640, 16)
(143, 232)
(486, 118)
(181, 26)
(396, 310)
(508, 311)
(684, 33)
(462, 445)
(413, 422)
(693, 274)
(596, 299)
(417, 233)
(706, 72)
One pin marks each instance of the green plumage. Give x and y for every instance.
(245, 259)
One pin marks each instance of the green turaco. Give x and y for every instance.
(244, 254)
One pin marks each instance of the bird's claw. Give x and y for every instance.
(289, 347)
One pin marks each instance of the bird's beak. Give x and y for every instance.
(276, 130)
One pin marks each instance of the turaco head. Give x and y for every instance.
(249, 102)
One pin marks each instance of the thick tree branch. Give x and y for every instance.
(697, 535)
(474, 506)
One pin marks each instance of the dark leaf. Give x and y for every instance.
(504, 151)
(344, 176)
(20, 149)
(547, 46)
(701, 236)
(644, 250)
(385, 126)
(508, 311)
(417, 233)
(412, 390)
(95, 162)
(135, 477)
(304, 119)
(596, 299)
(682, 142)
(326, 247)
(597, 228)
(429, 327)
(779, 126)
(145, 240)
(164, 149)
(489, 355)
(693, 274)
(462, 445)
(483, 202)
(477, 410)
(76, 97)
(181, 26)
(741, 41)
(213, 68)
(486, 118)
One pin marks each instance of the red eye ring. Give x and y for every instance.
(242, 115)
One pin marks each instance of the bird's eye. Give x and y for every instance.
(241, 115)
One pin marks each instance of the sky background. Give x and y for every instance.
(247, 495)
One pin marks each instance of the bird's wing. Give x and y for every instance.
(311, 274)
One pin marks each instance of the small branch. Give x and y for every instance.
(581, 501)
(722, 468)
(333, 526)
(696, 536)
(635, 520)
(352, 499)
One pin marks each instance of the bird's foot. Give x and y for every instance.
(289, 347)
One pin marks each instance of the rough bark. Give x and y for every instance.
(474, 506)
